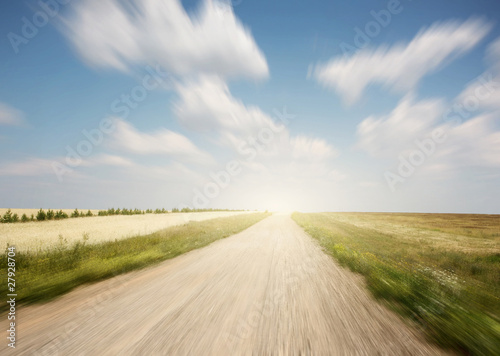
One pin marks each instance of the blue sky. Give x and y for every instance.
(405, 120)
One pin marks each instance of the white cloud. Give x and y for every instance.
(277, 167)
(385, 136)
(304, 147)
(33, 166)
(10, 116)
(28, 167)
(123, 34)
(474, 143)
(104, 159)
(165, 142)
(493, 55)
(483, 93)
(336, 176)
(402, 66)
(208, 106)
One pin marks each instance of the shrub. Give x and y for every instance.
(50, 214)
(89, 213)
(15, 218)
(61, 215)
(41, 216)
(24, 218)
(75, 214)
(7, 217)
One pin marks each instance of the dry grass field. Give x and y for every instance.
(46, 273)
(440, 270)
(34, 236)
(452, 232)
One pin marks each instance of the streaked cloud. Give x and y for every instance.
(10, 116)
(208, 106)
(124, 34)
(28, 167)
(473, 143)
(384, 136)
(401, 66)
(160, 142)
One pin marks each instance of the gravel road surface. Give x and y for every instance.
(269, 290)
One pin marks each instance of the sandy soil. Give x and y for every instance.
(268, 290)
(44, 234)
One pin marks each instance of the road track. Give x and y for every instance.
(269, 290)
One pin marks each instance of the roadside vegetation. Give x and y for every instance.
(44, 274)
(440, 270)
(12, 217)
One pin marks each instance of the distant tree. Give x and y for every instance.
(50, 214)
(61, 215)
(41, 216)
(7, 217)
(24, 218)
(89, 213)
(75, 214)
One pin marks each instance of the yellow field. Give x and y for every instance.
(45, 234)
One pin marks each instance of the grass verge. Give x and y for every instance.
(43, 275)
(453, 295)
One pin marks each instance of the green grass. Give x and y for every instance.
(440, 270)
(43, 275)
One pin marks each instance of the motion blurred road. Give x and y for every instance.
(268, 290)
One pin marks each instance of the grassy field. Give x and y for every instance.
(440, 270)
(36, 236)
(45, 274)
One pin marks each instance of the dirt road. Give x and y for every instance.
(268, 290)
